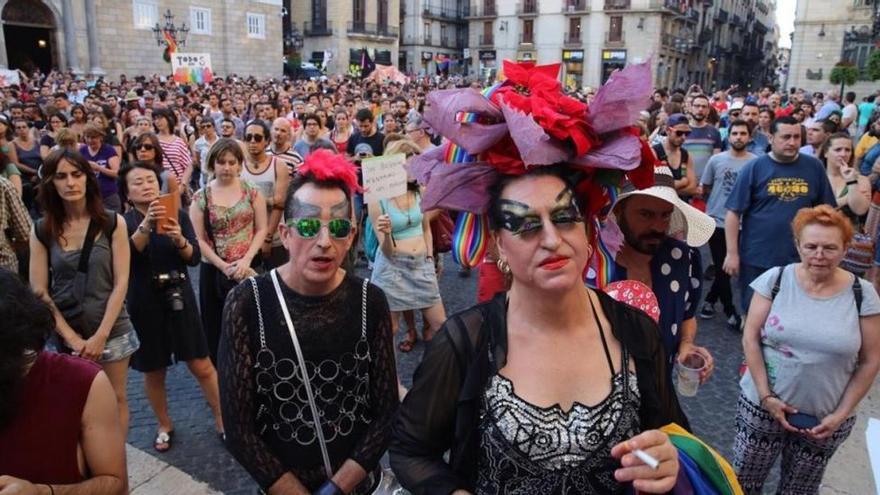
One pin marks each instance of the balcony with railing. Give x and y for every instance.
(618, 4)
(486, 40)
(527, 39)
(322, 28)
(483, 10)
(575, 7)
(721, 16)
(444, 14)
(572, 39)
(615, 38)
(356, 28)
(428, 40)
(447, 42)
(527, 8)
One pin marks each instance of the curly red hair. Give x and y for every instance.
(827, 217)
(325, 166)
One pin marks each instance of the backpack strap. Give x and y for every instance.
(661, 153)
(857, 294)
(775, 291)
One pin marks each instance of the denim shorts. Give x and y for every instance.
(409, 282)
(121, 347)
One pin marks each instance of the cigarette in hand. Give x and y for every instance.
(647, 458)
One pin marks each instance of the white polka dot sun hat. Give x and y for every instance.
(695, 226)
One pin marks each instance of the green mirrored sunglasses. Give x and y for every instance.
(309, 228)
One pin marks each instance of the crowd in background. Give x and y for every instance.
(87, 168)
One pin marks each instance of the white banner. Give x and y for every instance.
(9, 78)
(192, 68)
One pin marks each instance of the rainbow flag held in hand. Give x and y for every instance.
(702, 470)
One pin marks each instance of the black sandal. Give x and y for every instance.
(163, 438)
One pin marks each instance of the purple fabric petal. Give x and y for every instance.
(452, 186)
(534, 145)
(618, 102)
(622, 152)
(611, 235)
(475, 138)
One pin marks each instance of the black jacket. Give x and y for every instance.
(441, 411)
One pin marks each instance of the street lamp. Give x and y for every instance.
(177, 34)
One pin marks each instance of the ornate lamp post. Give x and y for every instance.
(170, 35)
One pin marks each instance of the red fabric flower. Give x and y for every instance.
(324, 165)
(504, 156)
(536, 91)
(643, 176)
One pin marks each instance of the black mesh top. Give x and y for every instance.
(269, 427)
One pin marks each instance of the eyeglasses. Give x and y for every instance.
(205, 126)
(682, 133)
(257, 138)
(144, 147)
(309, 228)
(21, 127)
(734, 114)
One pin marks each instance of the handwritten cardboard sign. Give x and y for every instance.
(384, 177)
(192, 68)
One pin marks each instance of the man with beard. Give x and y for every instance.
(311, 137)
(704, 140)
(717, 182)
(309, 314)
(650, 220)
(767, 195)
(758, 142)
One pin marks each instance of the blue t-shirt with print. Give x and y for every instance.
(675, 280)
(767, 195)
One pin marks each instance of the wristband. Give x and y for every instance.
(51, 489)
(329, 488)
(143, 230)
(183, 246)
(771, 394)
(852, 182)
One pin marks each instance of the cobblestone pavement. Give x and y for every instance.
(198, 452)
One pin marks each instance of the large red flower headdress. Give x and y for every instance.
(527, 121)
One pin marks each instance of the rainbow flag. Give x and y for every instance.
(172, 43)
(703, 467)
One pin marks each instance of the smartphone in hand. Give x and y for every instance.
(802, 421)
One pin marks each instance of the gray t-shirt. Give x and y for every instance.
(810, 344)
(720, 173)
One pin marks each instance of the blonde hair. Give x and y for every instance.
(402, 146)
(66, 138)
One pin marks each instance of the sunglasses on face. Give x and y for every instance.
(682, 133)
(205, 126)
(309, 228)
(734, 114)
(145, 147)
(257, 138)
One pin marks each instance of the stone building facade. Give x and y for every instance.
(115, 37)
(434, 36)
(710, 42)
(335, 32)
(826, 33)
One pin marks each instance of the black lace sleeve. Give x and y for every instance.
(238, 392)
(425, 426)
(384, 399)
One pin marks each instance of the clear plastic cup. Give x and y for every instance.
(689, 374)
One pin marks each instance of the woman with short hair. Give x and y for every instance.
(104, 162)
(812, 346)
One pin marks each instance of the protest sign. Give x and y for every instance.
(9, 78)
(384, 177)
(192, 68)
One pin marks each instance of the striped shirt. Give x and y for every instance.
(176, 156)
(290, 158)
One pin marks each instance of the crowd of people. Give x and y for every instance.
(112, 192)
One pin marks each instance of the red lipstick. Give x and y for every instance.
(554, 263)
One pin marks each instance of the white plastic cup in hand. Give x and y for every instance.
(689, 374)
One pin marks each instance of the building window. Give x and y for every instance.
(200, 20)
(146, 14)
(319, 13)
(383, 14)
(256, 26)
(615, 28)
(528, 31)
(359, 13)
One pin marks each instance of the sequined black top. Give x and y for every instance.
(269, 427)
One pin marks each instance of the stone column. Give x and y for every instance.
(70, 37)
(4, 61)
(92, 32)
